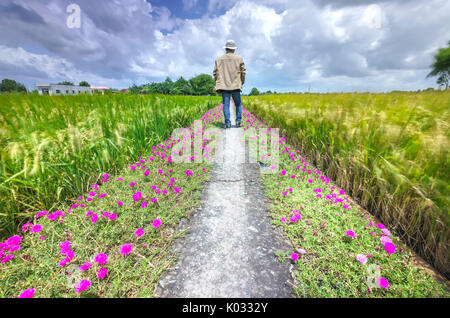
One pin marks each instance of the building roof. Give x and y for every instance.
(100, 87)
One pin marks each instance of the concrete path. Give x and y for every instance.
(229, 248)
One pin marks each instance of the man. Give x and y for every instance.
(229, 74)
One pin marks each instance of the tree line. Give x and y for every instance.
(202, 84)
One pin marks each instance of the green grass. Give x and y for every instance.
(390, 152)
(329, 268)
(36, 265)
(53, 147)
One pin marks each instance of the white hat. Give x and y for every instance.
(230, 45)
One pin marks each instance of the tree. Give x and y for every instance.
(66, 83)
(134, 89)
(441, 66)
(254, 92)
(202, 84)
(182, 87)
(9, 85)
(84, 83)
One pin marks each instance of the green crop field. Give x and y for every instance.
(53, 148)
(390, 152)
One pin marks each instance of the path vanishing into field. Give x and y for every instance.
(230, 243)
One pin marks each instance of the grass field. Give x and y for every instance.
(390, 152)
(339, 249)
(53, 147)
(80, 249)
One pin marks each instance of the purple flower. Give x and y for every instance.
(83, 285)
(126, 249)
(101, 259)
(361, 258)
(156, 223)
(27, 293)
(102, 273)
(383, 282)
(85, 266)
(139, 232)
(37, 228)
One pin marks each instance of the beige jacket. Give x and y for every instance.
(229, 72)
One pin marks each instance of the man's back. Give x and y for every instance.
(229, 72)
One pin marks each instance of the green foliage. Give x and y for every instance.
(8, 85)
(389, 151)
(254, 92)
(441, 66)
(203, 84)
(84, 83)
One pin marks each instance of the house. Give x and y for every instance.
(125, 91)
(99, 89)
(55, 89)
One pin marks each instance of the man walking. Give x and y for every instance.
(229, 74)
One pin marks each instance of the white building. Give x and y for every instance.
(55, 89)
(99, 89)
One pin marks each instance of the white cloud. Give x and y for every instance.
(47, 67)
(286, 44)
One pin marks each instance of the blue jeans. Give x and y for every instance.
(226, 105)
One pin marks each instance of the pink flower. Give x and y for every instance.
(102, 273)
(139, 232)
(389, 248)
(26, 226)
(83, 285)
(94, 218)
(297, 216)
(126, 249)
(188, 172)
(137, 196)
(42, 213)
(101, 259)
(294, 257)
(385, 239)
(361, 258)
(37, 228)
(144, 204)
(386, 232)
(156, 223)
(85, 266)
(283, 220)
(380, 226)
(310, 181)
(27, 293)
(120, 203)
(132, 184)
(176, 190)
(350, 233)
(301, 251)
(383, 282)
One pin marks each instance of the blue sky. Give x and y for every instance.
(287, 45)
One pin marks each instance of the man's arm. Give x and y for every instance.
(215, 72)
(242, 72)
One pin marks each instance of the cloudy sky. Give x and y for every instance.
(287, 45)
